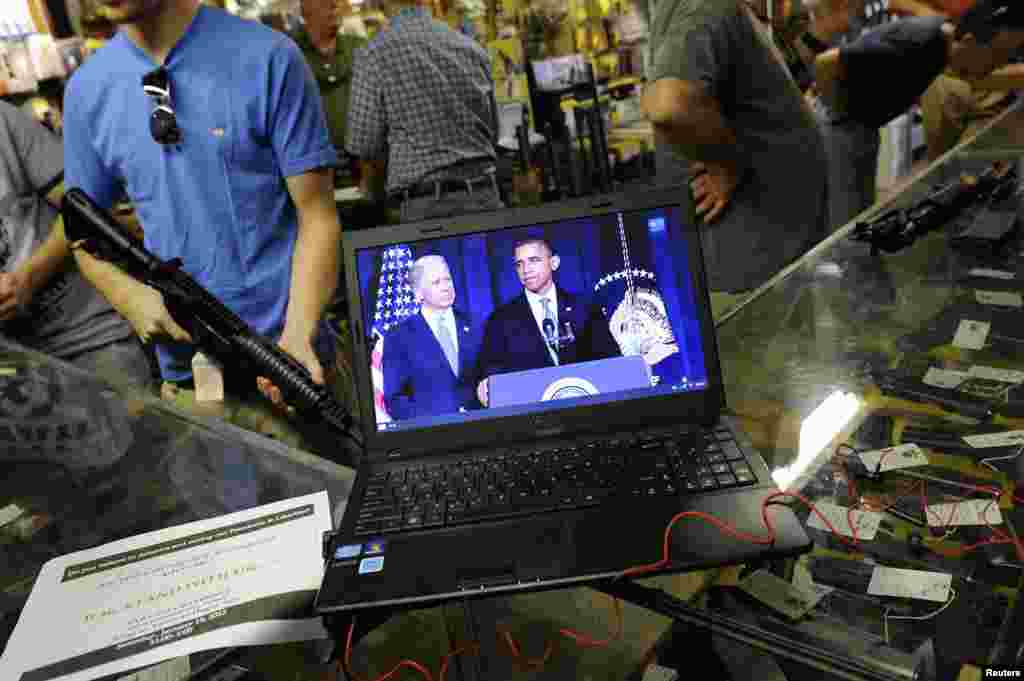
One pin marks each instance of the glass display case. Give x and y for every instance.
(915, 337)
(882, 378)
(84, 464)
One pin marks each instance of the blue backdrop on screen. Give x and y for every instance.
(593, 257)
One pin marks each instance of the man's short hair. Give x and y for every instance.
(534, 240)
(419, 268)
(986, 18)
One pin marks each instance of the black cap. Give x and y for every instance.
(987, 17)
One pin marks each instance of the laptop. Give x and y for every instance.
(455, 499)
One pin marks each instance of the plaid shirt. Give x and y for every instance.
(423, 94)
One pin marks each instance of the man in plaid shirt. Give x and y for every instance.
(423, 99)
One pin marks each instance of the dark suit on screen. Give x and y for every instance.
(418, 380)
(513, 341)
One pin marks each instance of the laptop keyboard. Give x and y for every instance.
(527, 482)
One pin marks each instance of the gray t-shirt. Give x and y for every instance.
(780, 209)
(67, 316)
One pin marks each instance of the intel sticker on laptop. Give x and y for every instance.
(368, 566)
(347, 551)
(375, 546)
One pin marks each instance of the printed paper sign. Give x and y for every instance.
(1008, 438)
(927, 586)
(866, 522)
(993, 374)
(1000, 298)
(944, 378)
(965, 513)
(971, 334)
(891, 458)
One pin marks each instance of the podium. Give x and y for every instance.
(570, 380)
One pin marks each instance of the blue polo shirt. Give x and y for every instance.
(250, 115)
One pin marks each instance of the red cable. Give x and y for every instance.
(584, 640)
(404, 663)
(448, 658)
(536, 663)
(998, 535)
(727, 529)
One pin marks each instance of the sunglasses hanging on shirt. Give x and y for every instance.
(163, 124)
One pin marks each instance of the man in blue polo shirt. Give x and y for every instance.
(226, 156)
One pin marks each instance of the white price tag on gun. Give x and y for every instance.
(208, 377)
(944, 378)
(971, 334)
(1007, 438)
(971, 512)
(891, 458)
(994, 374)
(927, 586)
(999, 298)
(866, 522)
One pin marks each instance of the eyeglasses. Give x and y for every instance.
(163, 124)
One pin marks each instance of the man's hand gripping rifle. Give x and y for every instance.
(216, 330)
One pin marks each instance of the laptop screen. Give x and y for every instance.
(531, 319)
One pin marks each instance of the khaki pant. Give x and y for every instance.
(954, 111)
(258, 415)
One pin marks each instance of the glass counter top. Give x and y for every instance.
(85, 463)
(855, 350)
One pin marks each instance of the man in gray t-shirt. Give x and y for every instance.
(722, 100)
(45, 304)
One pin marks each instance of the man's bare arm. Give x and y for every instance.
(1009, 77)
(315, 263)
(315, 269)
(685, 116)
(143, 306)
(54, 254)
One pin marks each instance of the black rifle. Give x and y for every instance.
(896, 229)
(215, 329)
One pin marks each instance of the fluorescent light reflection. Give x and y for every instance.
(817, 432)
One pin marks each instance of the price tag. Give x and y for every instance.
(1000, 298)
(993, 374)
(777, 593)
(972, 512)
(10, 513)
(926, 586)
(208, 378)
(891, 458)
(866, 522)
(944, 378)
(990, 274)
(971, 334)
(1008, 438)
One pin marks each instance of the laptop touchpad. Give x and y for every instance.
(505, 553)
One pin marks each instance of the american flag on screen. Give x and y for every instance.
(395, 302)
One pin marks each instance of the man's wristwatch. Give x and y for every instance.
(813, 44)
